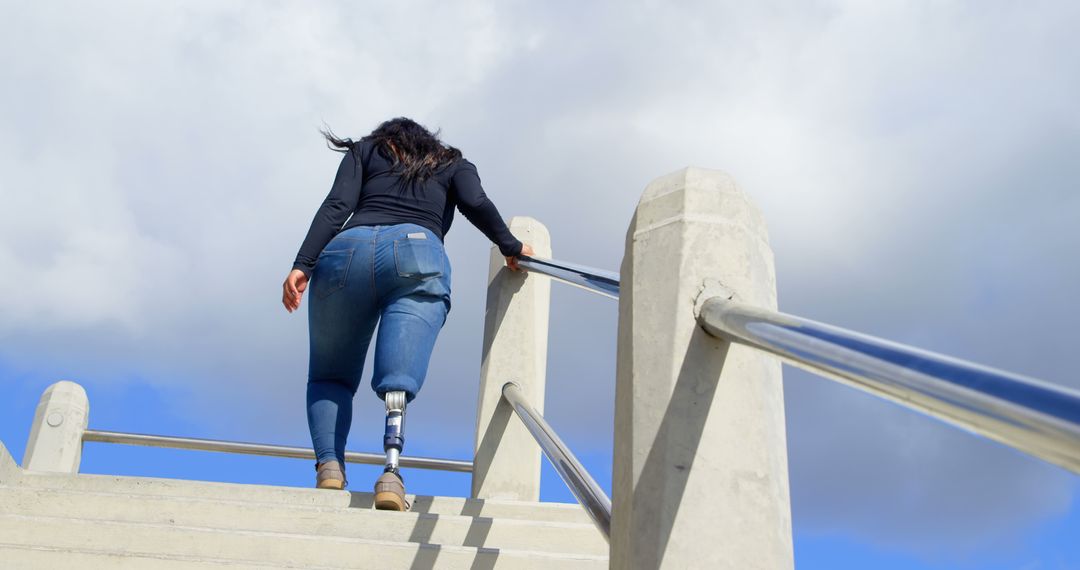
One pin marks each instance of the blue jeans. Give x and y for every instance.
(398, 274)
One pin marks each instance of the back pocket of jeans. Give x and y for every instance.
(331, 271)
(418, 258)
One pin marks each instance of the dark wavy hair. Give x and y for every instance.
(415, 152)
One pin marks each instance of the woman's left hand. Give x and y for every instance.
(293, 289)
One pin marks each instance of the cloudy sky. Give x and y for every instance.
(916, 162)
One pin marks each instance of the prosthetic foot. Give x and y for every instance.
(389, 488)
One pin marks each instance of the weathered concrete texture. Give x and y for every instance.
(55, 442)
(700, 468)
(507, 461)
(255, 547)
(95, 521)
(10, 473)
(238, 514)
(274, 495)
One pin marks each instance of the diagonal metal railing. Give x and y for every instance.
(599, 281)
(592, 498)
(1033, 416)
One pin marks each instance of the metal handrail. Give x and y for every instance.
(1030, 415)
(581, 484)
(599, 281)
(267, 449)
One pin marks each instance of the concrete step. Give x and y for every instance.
(57, 535)
(492, 508)
(306, 519)
(16, 557)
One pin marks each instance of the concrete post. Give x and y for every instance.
(55, 442)
(9, 472)
(507, 461)
(700, 465)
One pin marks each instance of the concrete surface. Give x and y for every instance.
(262, 547)
(55, 442)
(10, 473)
(98, 521)
(507, 461)
(700, 472)
(240, 514)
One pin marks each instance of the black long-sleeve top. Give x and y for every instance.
(369, 189)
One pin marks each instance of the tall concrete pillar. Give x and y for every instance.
(507, 461)
(55, 442)
(700, 464)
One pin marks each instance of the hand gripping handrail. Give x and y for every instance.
(267, 449)
(1030, 415)
(581, 484)
(599, 281)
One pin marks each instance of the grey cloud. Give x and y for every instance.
(906, 481)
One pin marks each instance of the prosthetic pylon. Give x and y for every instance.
(394, 438)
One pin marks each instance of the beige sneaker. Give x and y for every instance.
(330, 475)
(390, 493)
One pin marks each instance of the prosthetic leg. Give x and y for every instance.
(389, 488)
(394, 437)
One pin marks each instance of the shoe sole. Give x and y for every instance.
(331, 484)
(389, 501)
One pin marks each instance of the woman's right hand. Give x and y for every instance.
(293, 289)
(512, 261)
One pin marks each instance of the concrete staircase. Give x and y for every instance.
(51, 520)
